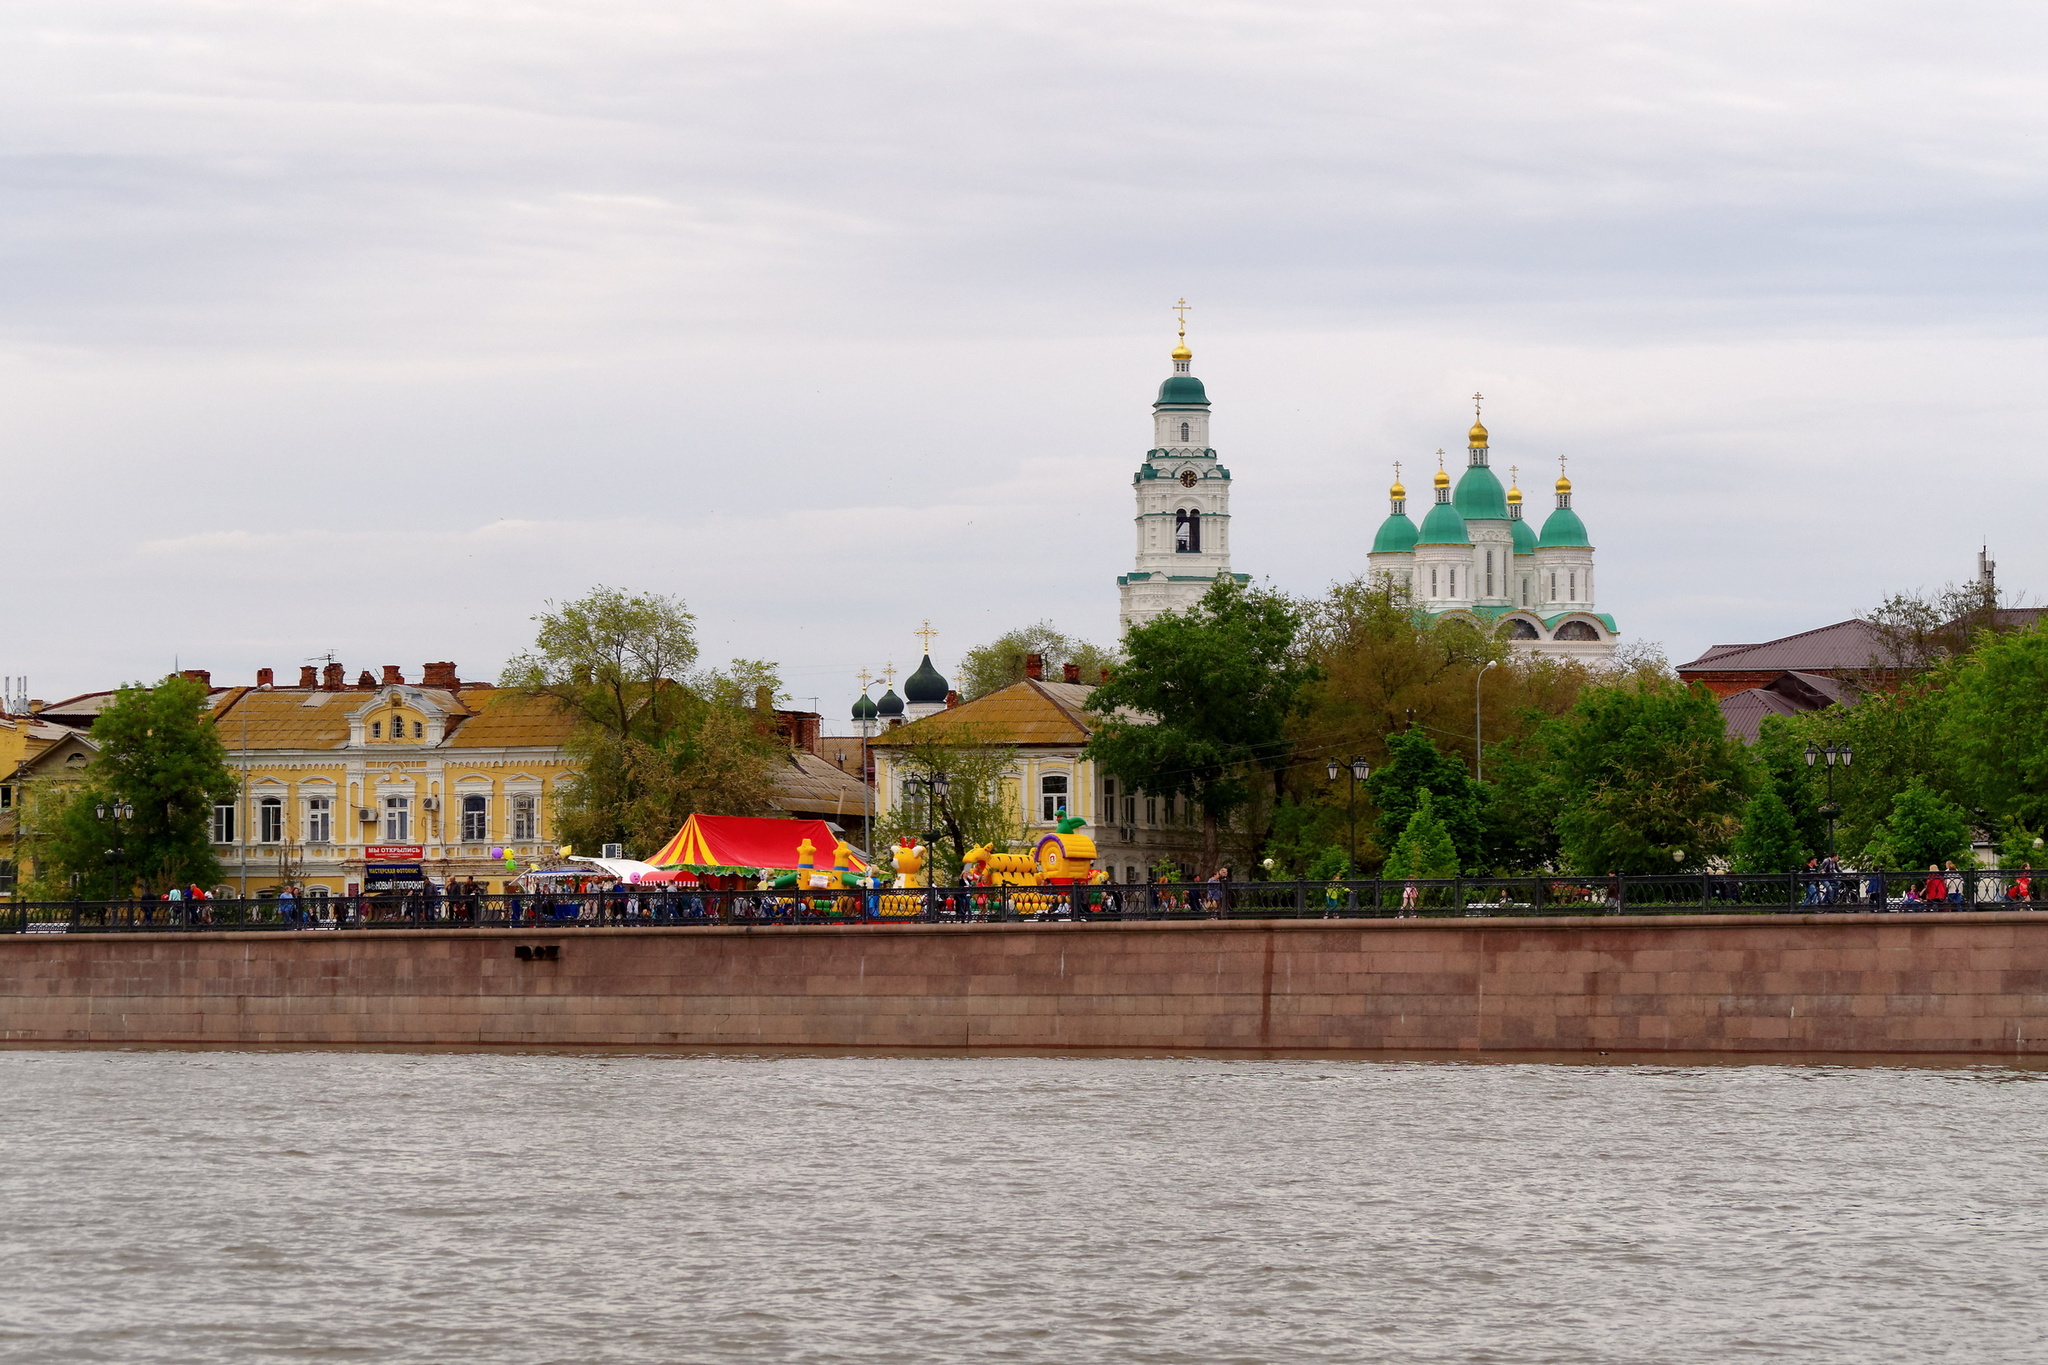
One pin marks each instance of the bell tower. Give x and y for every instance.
(1183, 496)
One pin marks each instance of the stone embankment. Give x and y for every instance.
(1969, 983)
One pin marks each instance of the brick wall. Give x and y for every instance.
(1961, 983)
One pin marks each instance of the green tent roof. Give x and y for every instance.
(1182, 391)
(1524, 534)
(1479, 495)
(1564, 531)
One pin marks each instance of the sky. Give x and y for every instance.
(372, 328)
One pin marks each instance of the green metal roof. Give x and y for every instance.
(1182, 391)
(1564, 531)
(925, 685)
(1479, 495)
(1524, 534)
(1396, 537)
(1443, 526)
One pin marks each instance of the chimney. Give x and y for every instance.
(331, 678)
(266, 678)
(309, 676)
(764, 699)
(952, 700)
(1034, 666)
(439, 675)
(1070, 673)
(392, 677)
(35, 704)
(365, 680)
(205, 678)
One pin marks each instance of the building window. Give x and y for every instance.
(418, 730)
(1151, 810)
(376, 729)
(1454, 582)
(525, 817)
(224, 823)
(1575, 587)
(6, 798)
(270, 821)
(475, 822)
(1432, 580)
(318, 892)
(1518, 629)
(320, 820)
(1577, 630)
(1489, 573)
(397, 819)
(7, 875)
(1052, 796)
(1183, 431)
(1525, 590)
(1553, 585)
(1187, 532)
(1130, 810)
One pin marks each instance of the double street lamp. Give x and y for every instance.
(115, 811)
(935, 786)
(1836, 755)
(1359, 770)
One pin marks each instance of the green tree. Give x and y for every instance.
(1203, 701)
(1780, 751)
(1771, 840)
(979, 806)
(1644, 778)
(1424, 848)
(160, 755)
(654, 743)
(1414, 769)
(1923, 829)
(1000, 662)
(1996, 727)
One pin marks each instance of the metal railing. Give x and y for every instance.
(1457, 897)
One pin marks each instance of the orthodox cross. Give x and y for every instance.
(1477, 399)
(1397, 471)
(866, 681)
(889, 676)
(1182, 309)
(926, 635)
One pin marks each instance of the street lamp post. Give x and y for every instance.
(1830, 812)
(935, 785)
(1479, 725)
(1359, 770)
(116, 813)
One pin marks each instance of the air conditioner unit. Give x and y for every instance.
(366, 815)
(430, 803)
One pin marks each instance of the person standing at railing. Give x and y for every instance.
(1873, 890)
(2022, 888)
(1955, 886)
(1935, 893)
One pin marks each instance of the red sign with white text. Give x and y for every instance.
(394, 853)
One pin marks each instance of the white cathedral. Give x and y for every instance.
(1474, 556)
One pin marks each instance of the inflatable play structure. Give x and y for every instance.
(913, 873)
(1064, 858)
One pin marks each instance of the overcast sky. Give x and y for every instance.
(371, 327)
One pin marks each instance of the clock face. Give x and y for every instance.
(1188, 478)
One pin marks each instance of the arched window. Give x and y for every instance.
(1052, 796)
(1577, 630)
(1187, 532)
(1184, 431)
(1518, 629)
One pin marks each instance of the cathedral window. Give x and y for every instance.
(1575, 587)
(1518, 629)
(1183, 431)
(1489, 573)
(1553, 586)
(1577, 630)
(1187, 532)
(1432, 580)
(1454, 582)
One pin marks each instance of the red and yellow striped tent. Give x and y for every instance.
(745, 844)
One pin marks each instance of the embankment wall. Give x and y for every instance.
(1957, 983)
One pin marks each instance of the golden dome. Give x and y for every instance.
(1181, 352)
(1442, 480)
(1397, 491)
(1514, 496)
(1477, 436)
(1564, 485)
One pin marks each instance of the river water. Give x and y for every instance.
(173, 1206)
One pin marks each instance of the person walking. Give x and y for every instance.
(2022, 888)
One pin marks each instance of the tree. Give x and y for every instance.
(1780, 751)
(160, 755)
(1644, 778)
(979, 806)
(1771, 840)
(654, 743)
(1923, 829)
(1415, 771)
(1000, 662)
(1996, 727)
(1202, 700)
(1424, 848)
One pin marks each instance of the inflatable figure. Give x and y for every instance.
(909, 857)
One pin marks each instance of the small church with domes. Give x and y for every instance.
(1475, 556)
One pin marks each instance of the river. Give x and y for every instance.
(505, 1208)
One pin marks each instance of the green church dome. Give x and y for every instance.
(1525, 536)
(1480, 496)
(1182, 391)
(1563, 530)
(864, 709)
(1396, 537)
(924, 686)
(1443, 526)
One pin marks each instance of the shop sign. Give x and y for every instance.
(394, 877)
(394, 853)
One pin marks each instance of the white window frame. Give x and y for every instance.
(398, 819)
(270, 820)
(1054, 802)
(319, 819)
(223, 822)
(525, 817)
(481, 831)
